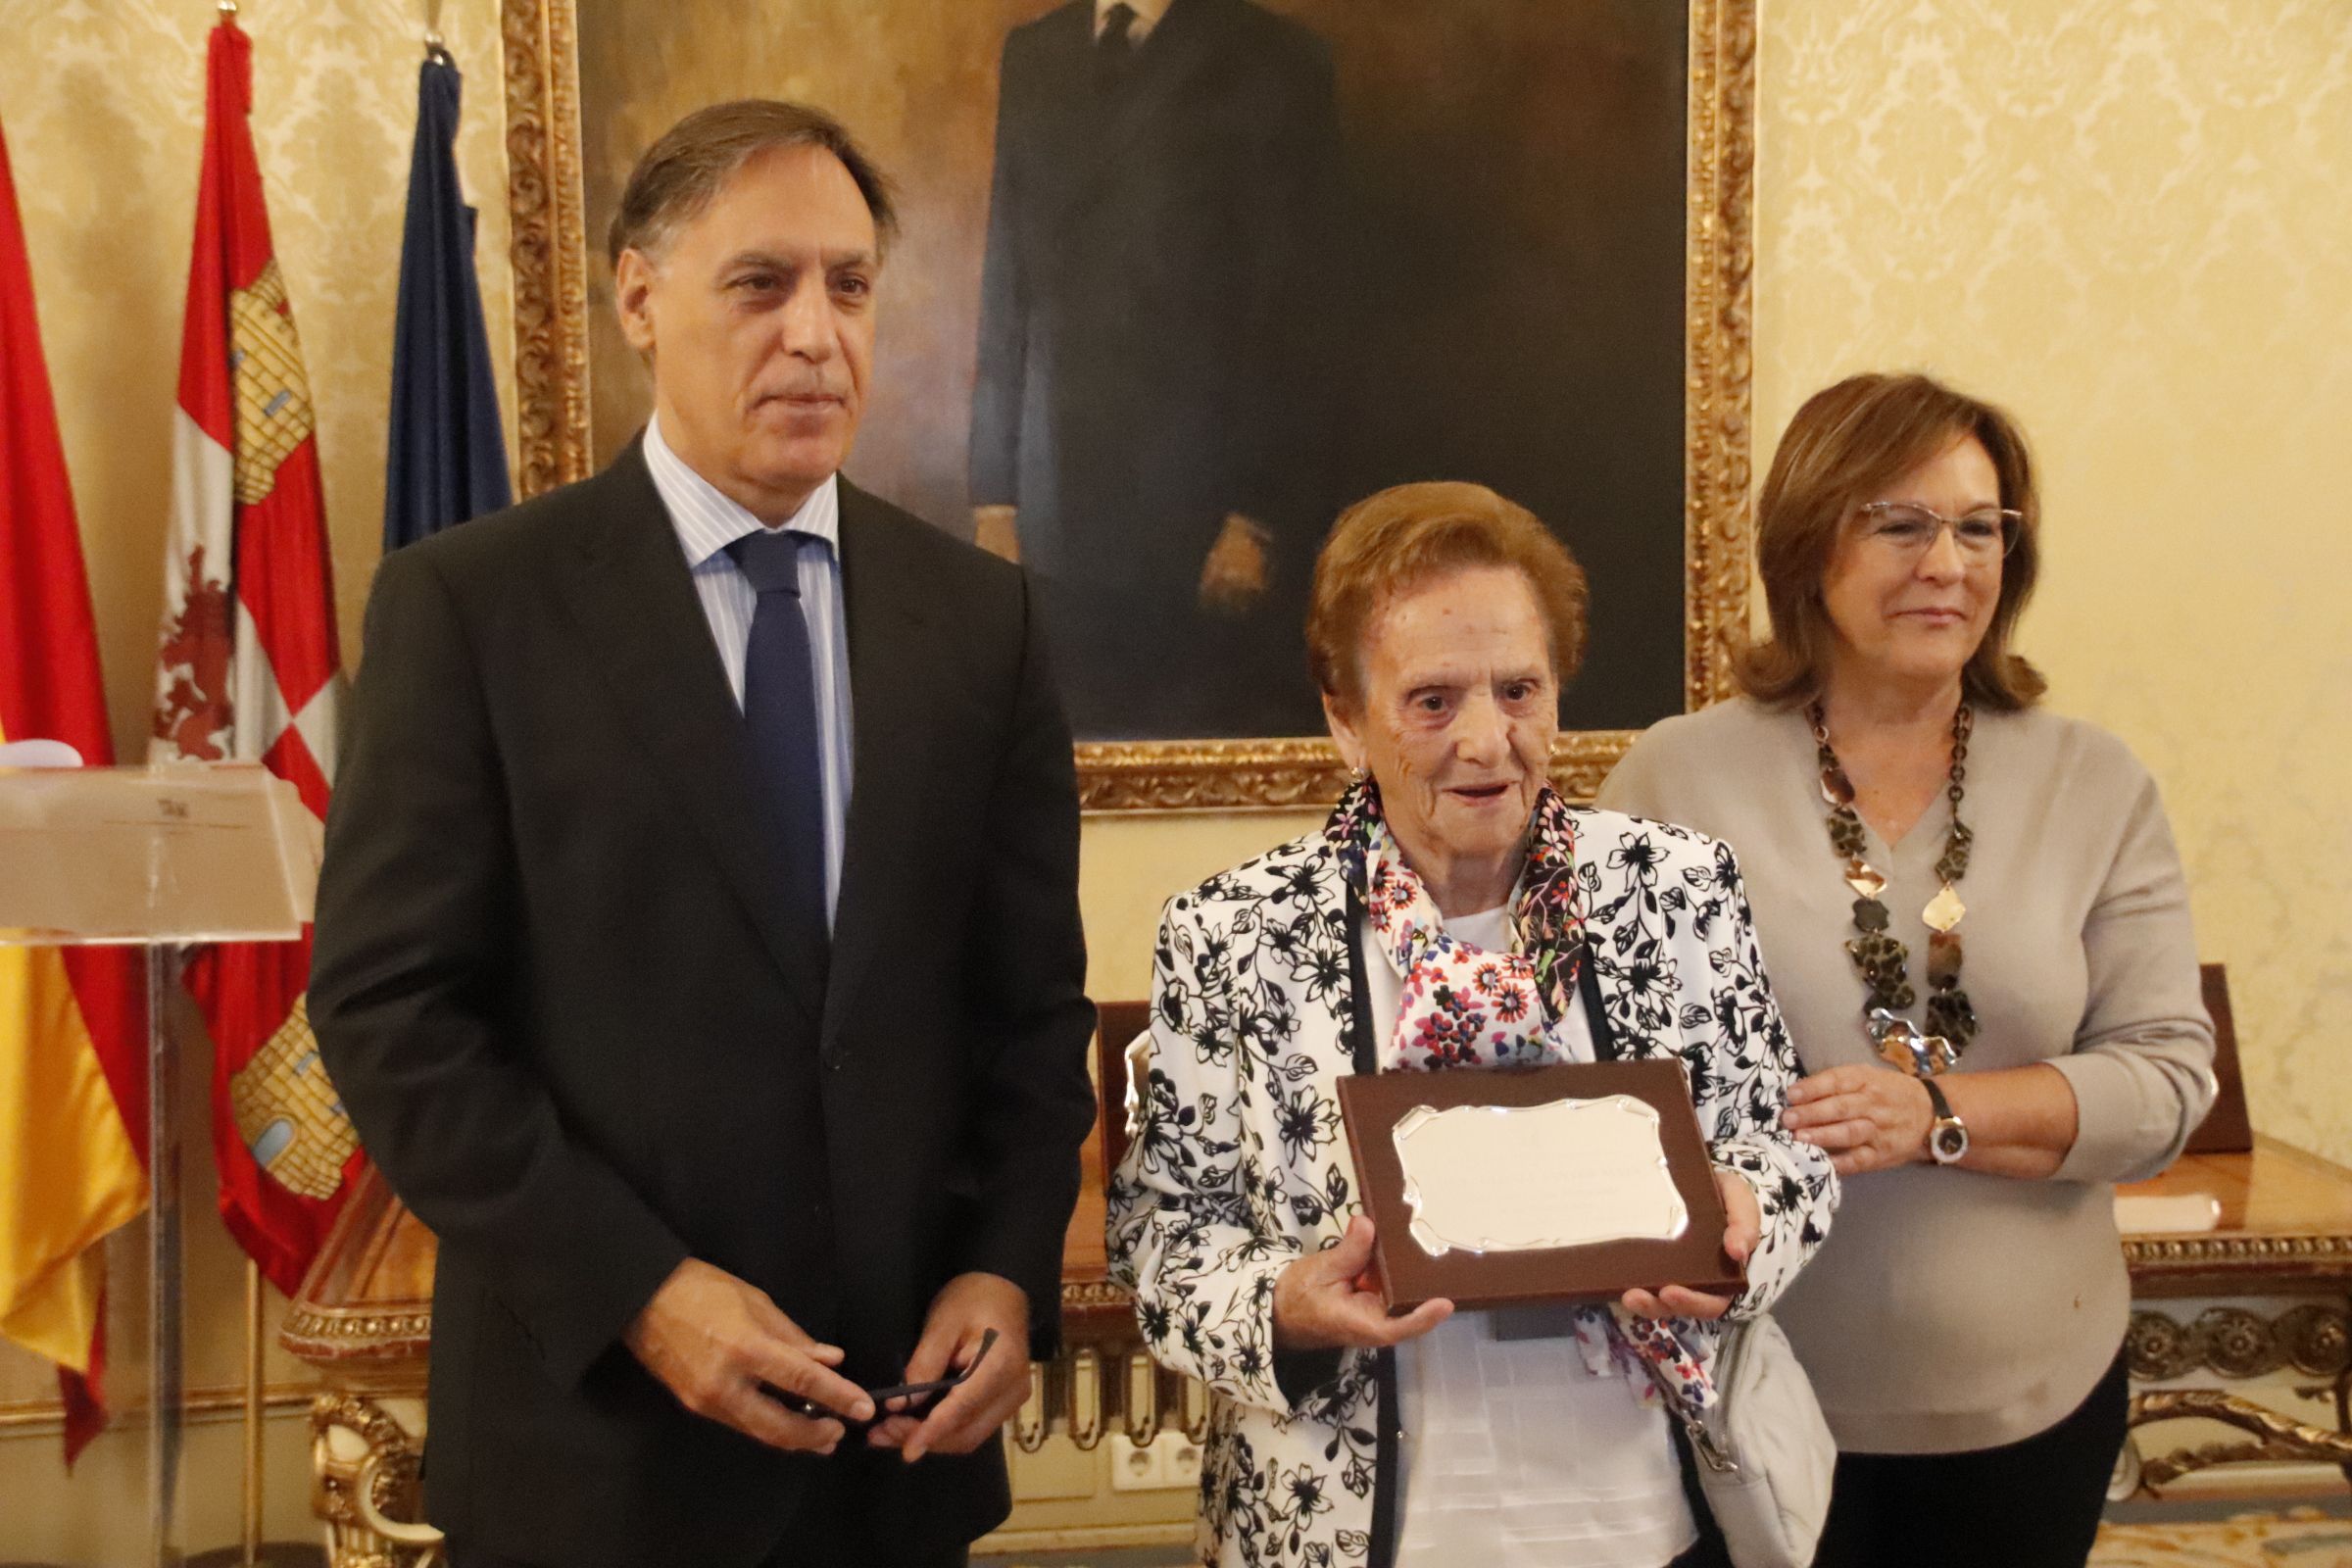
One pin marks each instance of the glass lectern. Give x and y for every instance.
(156, 857)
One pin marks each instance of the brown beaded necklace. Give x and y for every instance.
(1880, 957)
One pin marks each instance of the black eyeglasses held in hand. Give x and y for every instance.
(915, 1394)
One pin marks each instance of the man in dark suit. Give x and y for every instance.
(731, 1091)
(1145, 430)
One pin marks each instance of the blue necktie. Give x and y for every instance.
(779, 716)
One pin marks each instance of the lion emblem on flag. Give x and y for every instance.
(194, 712)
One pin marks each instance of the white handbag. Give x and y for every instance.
(1765, 1454)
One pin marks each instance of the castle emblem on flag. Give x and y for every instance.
(272, 399)
(289, 1114)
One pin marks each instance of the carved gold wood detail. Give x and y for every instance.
(1719, 299)
(2315, 1339)
(1197, 1405)
(324, 1334)
(1113, 1387)
(1082, 1296)
(549, 246)
(1139, 1399)
(2154, 1260)
(551, 369)
(2277, 1438)
(369, 1503)
(1082, 1378)
(1032, 1423)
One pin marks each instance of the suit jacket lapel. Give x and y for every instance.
(1070, 37)
(882, 848)
(638, 610)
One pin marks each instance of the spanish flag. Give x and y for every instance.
(72, 1082)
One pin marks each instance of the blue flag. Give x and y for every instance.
(447, 460)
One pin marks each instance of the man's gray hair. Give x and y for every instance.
(695, 157)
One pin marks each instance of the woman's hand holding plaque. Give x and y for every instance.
(1325, 1300)
(1743, 1226)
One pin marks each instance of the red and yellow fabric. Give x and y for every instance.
(249, 670)
(72, 1082)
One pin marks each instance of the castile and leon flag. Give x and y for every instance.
(249, 671)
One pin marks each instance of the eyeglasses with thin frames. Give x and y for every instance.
(1909, 531)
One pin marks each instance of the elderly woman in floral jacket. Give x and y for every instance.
(1454, 912)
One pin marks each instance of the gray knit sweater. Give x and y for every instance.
(1950, 1310)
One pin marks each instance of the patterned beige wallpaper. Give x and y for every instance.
(103, 103)
(2133, 223)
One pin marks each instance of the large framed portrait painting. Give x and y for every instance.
(1179, 279)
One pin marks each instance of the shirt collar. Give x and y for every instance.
(1147, 15)
(708, 519)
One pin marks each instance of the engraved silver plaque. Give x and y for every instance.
(1527, 1178)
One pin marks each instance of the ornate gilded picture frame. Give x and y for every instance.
(1548, 87)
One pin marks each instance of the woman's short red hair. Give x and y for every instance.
(1392, 542)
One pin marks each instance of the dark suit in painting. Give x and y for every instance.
(1147, 341)
(560, 989)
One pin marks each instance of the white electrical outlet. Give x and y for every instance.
(1171, 1462)
(1132, 1469)
(1179, 1461)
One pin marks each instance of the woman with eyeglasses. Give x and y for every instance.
(1978, 929)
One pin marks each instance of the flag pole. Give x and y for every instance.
(253, 1413)
(163, 1266)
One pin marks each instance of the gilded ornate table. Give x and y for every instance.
(2243, 1326)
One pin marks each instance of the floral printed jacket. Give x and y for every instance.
(1239, 1163)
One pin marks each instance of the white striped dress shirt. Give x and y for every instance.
(707, 520)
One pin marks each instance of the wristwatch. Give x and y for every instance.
(1947, 1133)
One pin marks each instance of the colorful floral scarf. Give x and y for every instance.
(1460, 1006)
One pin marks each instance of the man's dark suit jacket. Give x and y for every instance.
(554, 986)
(1147, 305)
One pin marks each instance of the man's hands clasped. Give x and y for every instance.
(963, 1312)
(731, 1354)
(720, 1344)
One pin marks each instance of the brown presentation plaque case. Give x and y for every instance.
(1373, 1104)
